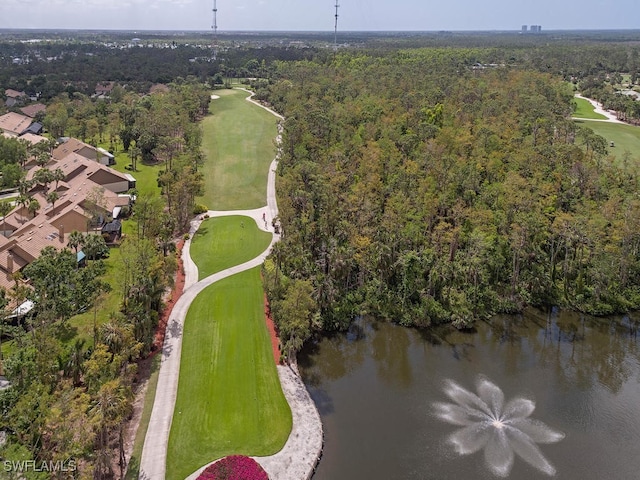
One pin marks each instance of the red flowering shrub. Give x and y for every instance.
(234, 467)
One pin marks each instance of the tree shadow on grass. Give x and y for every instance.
(201, 232)
(65, 332)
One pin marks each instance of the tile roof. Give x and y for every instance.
(33, 110)
(51, 226)
(33, 139)
(10, 93)
(72, 145)
(14, 123)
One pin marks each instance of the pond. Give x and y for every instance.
(393, 400)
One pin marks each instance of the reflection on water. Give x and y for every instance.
(376, 385)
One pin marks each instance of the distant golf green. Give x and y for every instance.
(238, 144)
(224, 242)
(625, 138)
(584, 109)
(229, 396)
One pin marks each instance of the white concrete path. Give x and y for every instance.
(297, 460)
(597, 107)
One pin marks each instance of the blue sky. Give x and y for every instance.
(319, 14)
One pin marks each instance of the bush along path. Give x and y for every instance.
(297, 460)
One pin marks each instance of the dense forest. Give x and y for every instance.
(419, 189)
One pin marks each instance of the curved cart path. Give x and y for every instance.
(597, 107)
(302, 450)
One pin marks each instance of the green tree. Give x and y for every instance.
(296, 316)
(112, 405)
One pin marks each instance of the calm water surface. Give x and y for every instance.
(376, 385)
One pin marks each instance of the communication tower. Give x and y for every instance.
(335, 34)
(214, 47)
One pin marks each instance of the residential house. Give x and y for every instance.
(15, 98)
(73, 145)
(90, 195)
(33, 139)
(14, 124)
(33, 110)
(103, 89)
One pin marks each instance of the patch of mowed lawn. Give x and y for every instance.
(229, 397)
(238, 143)
(626, 140)
(224, 242)
(584, 109)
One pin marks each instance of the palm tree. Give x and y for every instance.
(24, 186)
(134, 154)
(113, 405)
(44, 177)
(95, 247)
(52, 198)
(76, 239)
(52, 143)
(5, 208)
(4, 302)
(75, 362)
(33, 207)
(23, 200)
(57, 176)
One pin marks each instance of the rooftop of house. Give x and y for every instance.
(104, 87)
(10, 93)
(32, 138)
(72, 145)
(14, 123)
(85, 186)
(33, 110)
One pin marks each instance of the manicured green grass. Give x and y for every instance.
(229, 396)
(238, 142)
(224, 242)
(146, 175)
(584, 109)
(626, 138)
(133, 468)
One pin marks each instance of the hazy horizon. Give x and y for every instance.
(314, 16)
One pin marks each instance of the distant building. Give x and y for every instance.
(15, 98)
(103, 89)
(532, 29)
